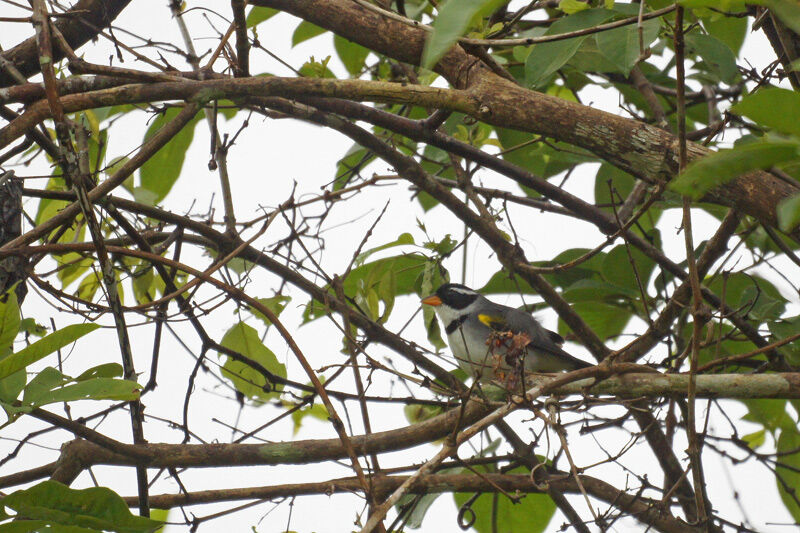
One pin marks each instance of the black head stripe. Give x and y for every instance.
(456, 296)
(455, 324)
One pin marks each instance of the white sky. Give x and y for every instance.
(264, 164)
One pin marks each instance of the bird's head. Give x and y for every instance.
(451, 301)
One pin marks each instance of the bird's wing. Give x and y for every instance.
(542, 340)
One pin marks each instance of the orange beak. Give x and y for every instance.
(432, 300)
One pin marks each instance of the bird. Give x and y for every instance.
(487, 338)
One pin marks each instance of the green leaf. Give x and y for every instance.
(71, 266)
(46, 380)
(44, 347)
(276, 304)
(716, 55)
(546, 58)
(788, 212)
(106, 370)
(621, 45)
(786, 327)
(159, 173)
(788, 469)
(31, 327)
(617, 268)
(452, 22)
(305, 31)
(607, 321)
(769, 413)
(774, 108)
(247, 380)
(314, 410)
(89, 285)
(353, 55)
(729, 30)
(531, 515)
(96, 508)
(258, 15)
(756, 296)
(9, 322)
(723, 166)
(90, 389)
(756, 439)
(572, 6)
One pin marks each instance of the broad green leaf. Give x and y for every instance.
(729, 30)
(717, 56)
(71, 266)
(106, 370)
(617, 268)
(44, 347)
(258, 15)
(540, 156)
(774, 108)
(788, 469)
(788, 212)
(621, 45)
(572, 6)
(305, 31)
(96, 508)
(49, 208)
(353, 55)
(159, 173)
(451, 23)
(143, 284)
(594, 290)
(276, 304)
(756, 439)
(31, 327)
(786, 327)
(9, 322)
(247, 380)
(46, 380)
(723, 166)
(45, 526)
(531, 514)
(91, 389)
(607, 321)
(759, 298)
(546, 58)
(89, 285)
(769, 413)
(12, 386)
